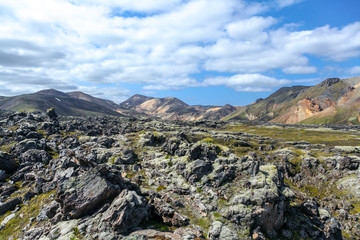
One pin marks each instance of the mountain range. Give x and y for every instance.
(333, 101)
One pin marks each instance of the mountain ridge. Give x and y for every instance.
(332, 101)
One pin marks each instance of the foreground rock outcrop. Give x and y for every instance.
(121, 178)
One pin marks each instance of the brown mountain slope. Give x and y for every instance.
(64, 104)
(333, 101)
(89, 98)
(173, 108)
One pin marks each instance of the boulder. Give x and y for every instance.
(7, 162)
(28, 144)
(127, 211)
(106, 142)
(35, 155)
(85, 195)
(52, 114)
(198, 169)
(219, 231)
(9, 205)
(48, 211)
(128, 156)
(310, 208)
(204, 151)
(168, 214)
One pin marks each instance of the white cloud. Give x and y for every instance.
(286, 3)
(133, 5)
(355, 70)
(177, 83)
(78, 43)
(247, 82)
(250, 28)
(116, 93)
(299, 69)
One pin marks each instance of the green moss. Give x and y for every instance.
(42, 132)
(13, 229)
(53, 154)
(14, 128)
(199, 190)
(167, 156)
(356, 208)
(217, 214)
(204, 223)
(76, 234)
(160, 188)
(7, 148)
(208, 140)
(152, 224)
(130, 174)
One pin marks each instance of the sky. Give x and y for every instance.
(207, 52)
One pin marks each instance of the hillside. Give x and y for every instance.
(173, 109)
(63, 103)
(89, 98)
(134, 101)
(333, 101)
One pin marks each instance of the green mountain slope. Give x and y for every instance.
(266, 109)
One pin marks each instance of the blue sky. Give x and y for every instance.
(207, 52)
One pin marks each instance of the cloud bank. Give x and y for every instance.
(159, 44)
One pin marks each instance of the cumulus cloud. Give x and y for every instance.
(158, 43)
(247, 82)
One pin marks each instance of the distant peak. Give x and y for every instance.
(53, 92)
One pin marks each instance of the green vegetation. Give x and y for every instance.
(312, 135)
(160, 188)
(13, 229)
(76, 234)
(153, 224)
(271, 104)
(7, 147)
(208, 140)
(199, 190)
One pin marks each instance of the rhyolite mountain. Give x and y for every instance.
(174, 109)
(333, 101)
(64, 104)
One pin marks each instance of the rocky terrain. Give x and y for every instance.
(111, 177)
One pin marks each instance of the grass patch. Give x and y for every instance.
(76, 234)
(7, 147)
(208, 140)
(160, 188)
(294, 134)
(13, 229)
(53, 154)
